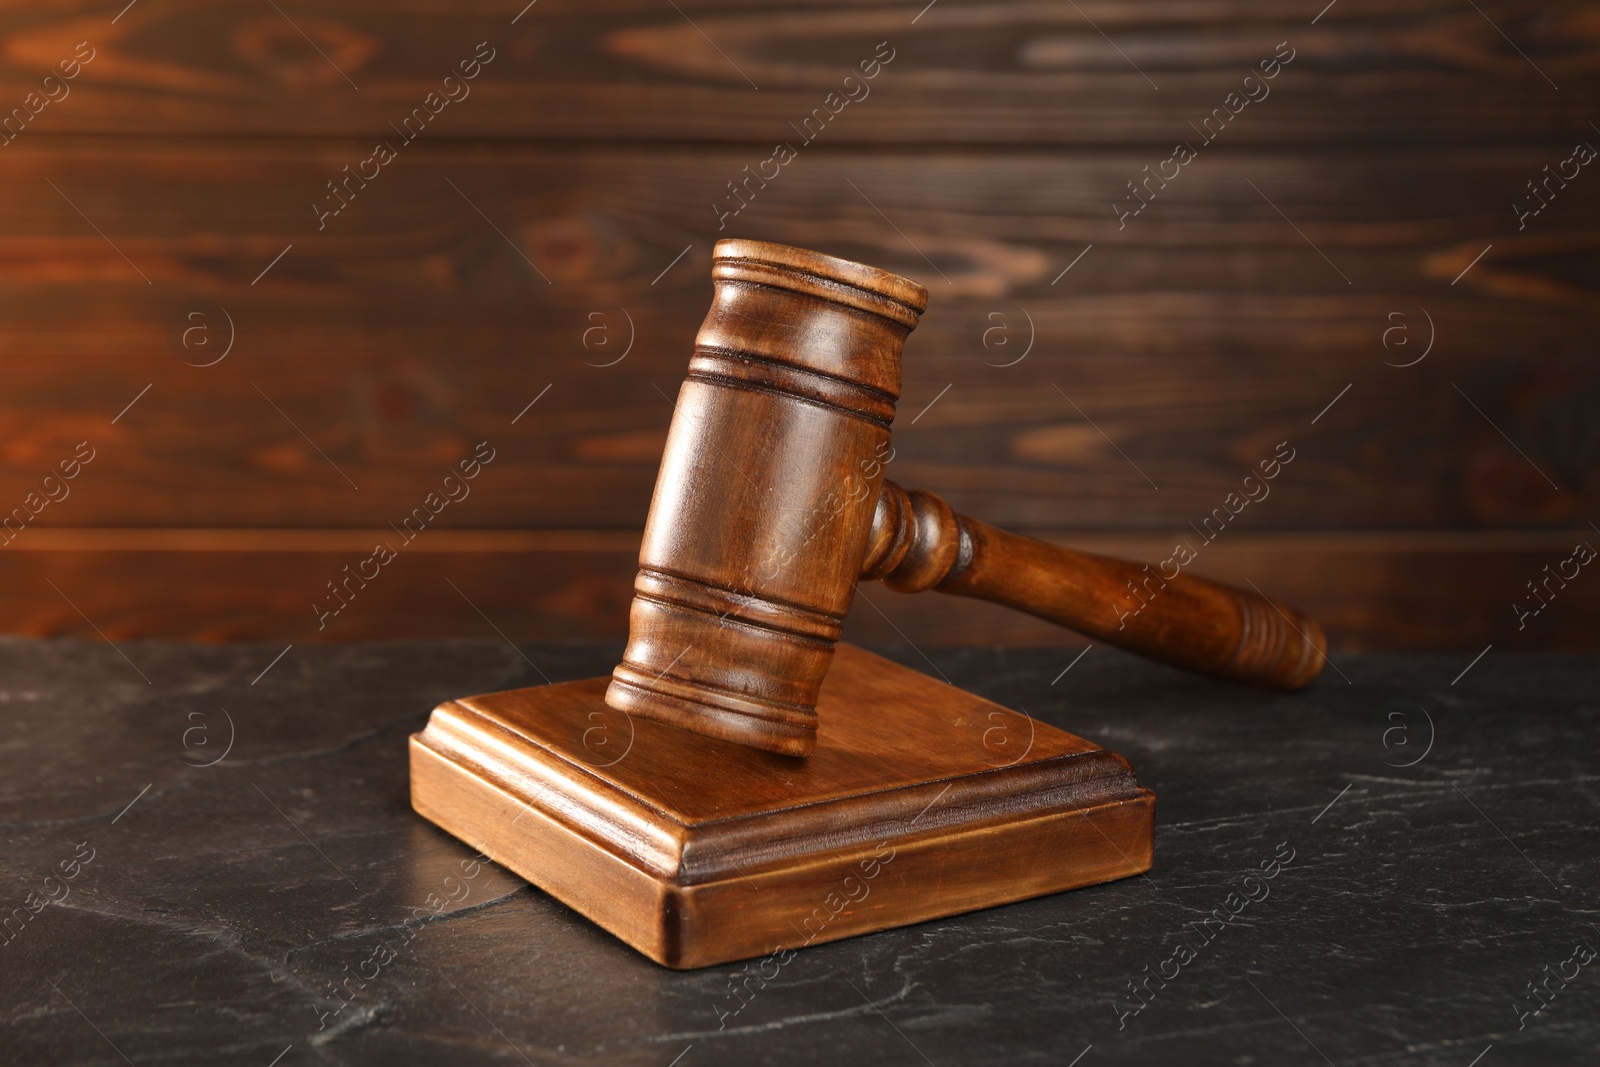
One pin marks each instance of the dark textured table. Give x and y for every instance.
(1392, 868)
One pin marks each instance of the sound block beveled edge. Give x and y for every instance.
(684, 849)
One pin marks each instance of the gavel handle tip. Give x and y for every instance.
(1278, 646)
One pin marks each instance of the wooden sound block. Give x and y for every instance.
(920, 801)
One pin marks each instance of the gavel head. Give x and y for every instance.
(766, 494)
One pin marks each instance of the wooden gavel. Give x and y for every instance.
(771, 504)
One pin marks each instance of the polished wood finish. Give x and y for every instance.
(920, 801)
(765, 497)
(918, 542)
(771, 502)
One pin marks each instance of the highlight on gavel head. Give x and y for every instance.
(766, 494)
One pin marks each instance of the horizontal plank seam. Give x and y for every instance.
(1382, 146)
(612, 540)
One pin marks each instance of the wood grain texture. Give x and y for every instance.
(698, 852)
(1438, 590)
(1420, 71)
(1196, 340)
(765, 502)
(1181, 349)
(918, 543)
(771, 502)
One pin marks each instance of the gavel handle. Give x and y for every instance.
(918, 542)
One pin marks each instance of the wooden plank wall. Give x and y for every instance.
(301, 378)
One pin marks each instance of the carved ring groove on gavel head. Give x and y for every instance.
(771, 504)
(766, 495)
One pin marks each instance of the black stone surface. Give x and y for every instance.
(223, 902)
